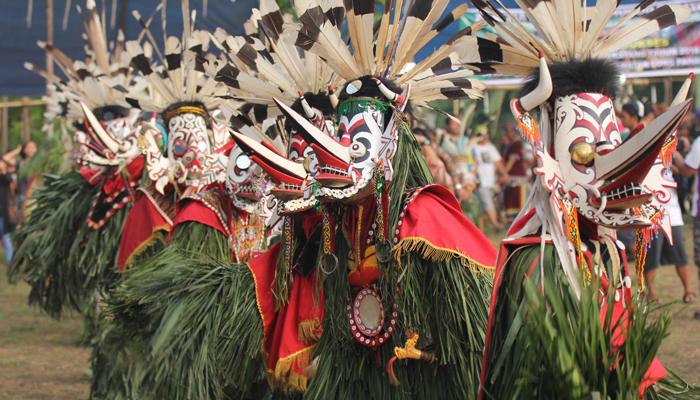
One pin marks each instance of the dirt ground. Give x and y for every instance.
(680, 351)
(39, 358)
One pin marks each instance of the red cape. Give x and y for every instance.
(141, 229)
(433, 224)
(292, 332)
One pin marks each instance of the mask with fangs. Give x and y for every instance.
(245, 181)
(604, 178)
(108, 138)
(367, 132)
(292, 174)
(188, 142)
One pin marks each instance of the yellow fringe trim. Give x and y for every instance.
(145, 244)
(284, 377)
(431, 252)
(308, 331)
(262, 316)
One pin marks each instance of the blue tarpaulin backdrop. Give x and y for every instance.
(18, 42)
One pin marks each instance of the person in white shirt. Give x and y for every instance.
(689, 167)
(489, 163)
(661, 252)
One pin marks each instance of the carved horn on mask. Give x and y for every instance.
(307, 108)
(333, 97)
(683, 93)
(543, 90)
(392, 96)
(99, 130)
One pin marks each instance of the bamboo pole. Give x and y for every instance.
(25, 119)
(122, 18)
(20, 103)
(668, 91)
(49, 40)
(5, 127)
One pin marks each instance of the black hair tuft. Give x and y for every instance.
(370, 89)
(592, 75)
(320, 101)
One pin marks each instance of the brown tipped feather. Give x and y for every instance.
(97, 39)
(444, 23)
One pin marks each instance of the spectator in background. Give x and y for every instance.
(460, 149)
(504, 138)
(684, 184)
(687, 168)
(489, 167)
(6, 194)
(457, 146)
(438, 161)
(649, 113)
(631, 116)
(695, 126)
(23, 182)
(662, 252)
(517, 164)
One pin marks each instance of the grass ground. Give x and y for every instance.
(39, 358)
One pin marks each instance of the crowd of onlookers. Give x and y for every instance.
(492, 182)
(13, 191)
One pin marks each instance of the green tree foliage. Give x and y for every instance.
(36, 121)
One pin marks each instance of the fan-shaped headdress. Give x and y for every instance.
(186, 98)
(373, 101)
(83, 86)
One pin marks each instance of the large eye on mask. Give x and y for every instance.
(582, 153)
(179, 147)
(357, 150)
(243, 162)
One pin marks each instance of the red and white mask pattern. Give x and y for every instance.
(587, 120)
(188, 146)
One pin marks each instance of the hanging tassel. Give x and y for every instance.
(381, 197)
(643, 243)
(640, 255)
(668, 152)
(529, 132)
(390, 369)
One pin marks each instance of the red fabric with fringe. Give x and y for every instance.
(292, 331)
(142, 223)
(196, 211)
(433, 216)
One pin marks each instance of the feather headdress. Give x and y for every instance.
(83, 77)
(181, 78)
(568, 30)
(387, 53)
(262, 66)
